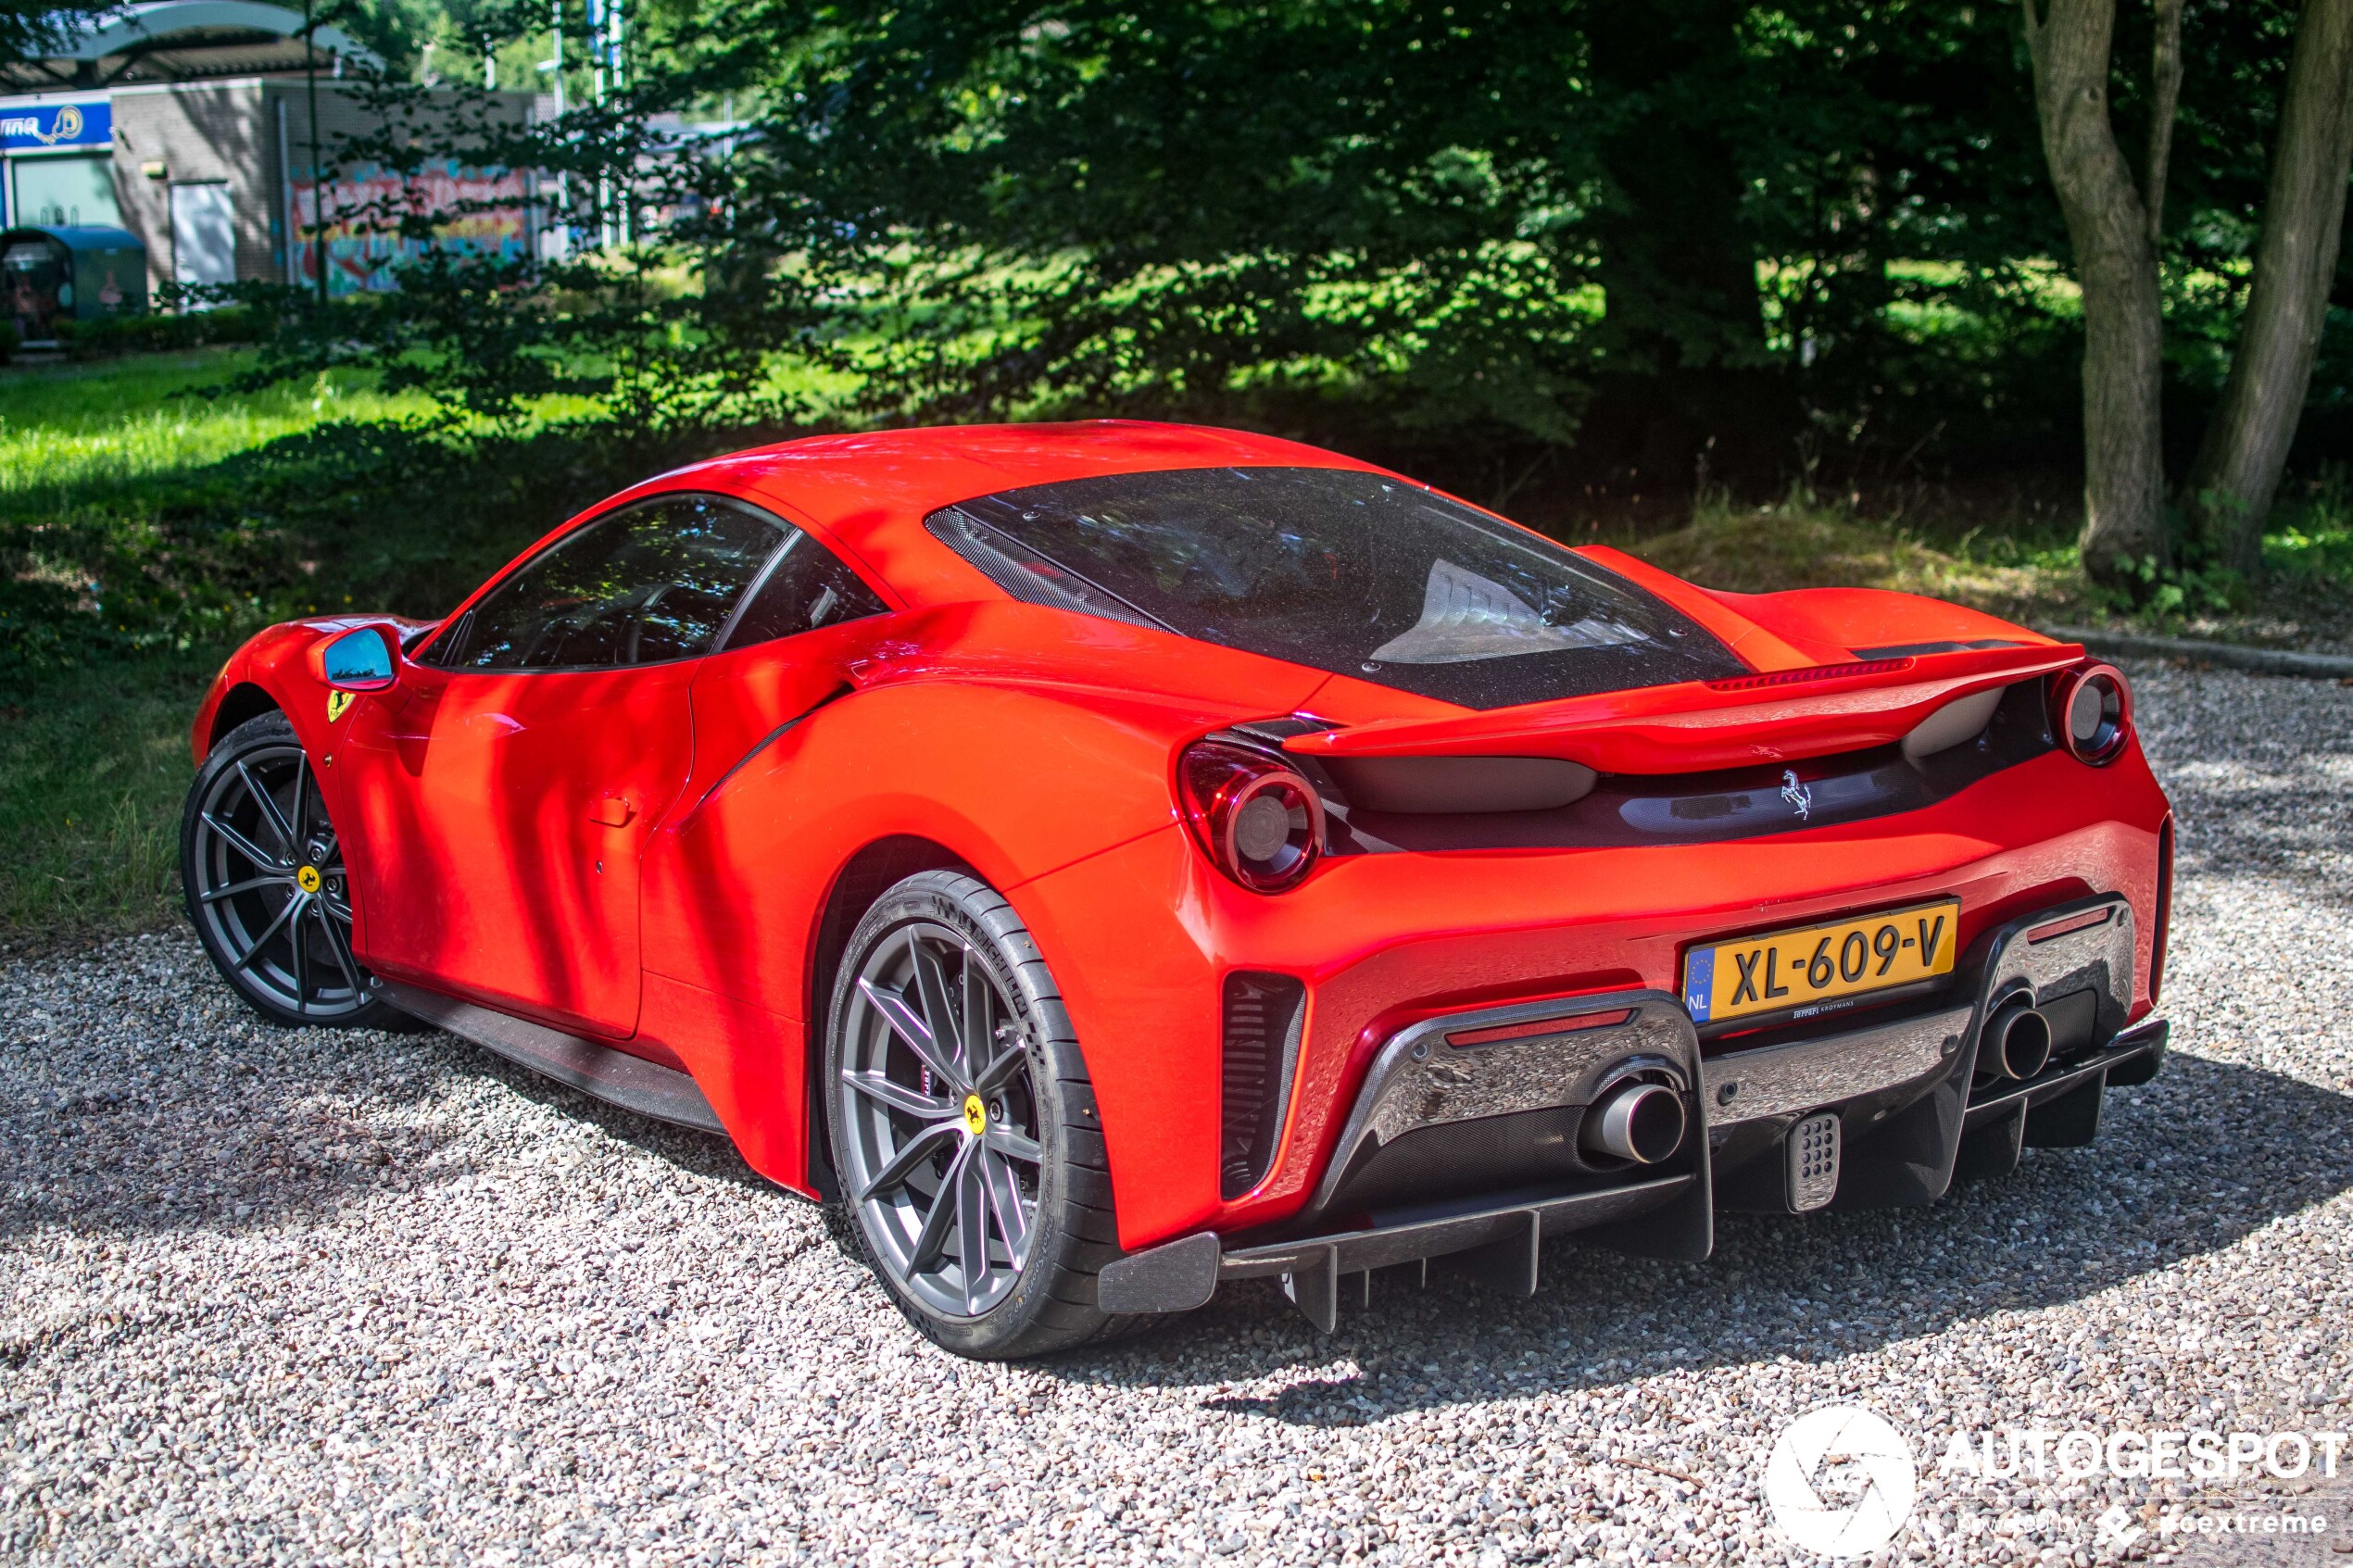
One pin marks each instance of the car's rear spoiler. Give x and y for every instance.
(1773, 716)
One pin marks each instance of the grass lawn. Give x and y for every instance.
(93, 766)
(93, 762)
(68, 431)
(1766, 549)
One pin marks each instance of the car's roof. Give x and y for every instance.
(868, 493)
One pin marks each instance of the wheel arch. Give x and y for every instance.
(240, 704)
(870, 872)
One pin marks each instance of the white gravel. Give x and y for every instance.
(274, 1297)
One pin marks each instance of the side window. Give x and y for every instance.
(806, 586)
(648, 584)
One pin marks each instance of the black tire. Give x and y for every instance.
(1024, 1300)
(261, 870)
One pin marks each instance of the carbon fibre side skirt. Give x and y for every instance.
(616, 1077)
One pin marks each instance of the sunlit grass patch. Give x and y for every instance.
(114, 422)
(1793, 544)
(2314, 541)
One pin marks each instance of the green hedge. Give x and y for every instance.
(159, 332)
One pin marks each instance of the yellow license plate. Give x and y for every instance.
(1798, 970)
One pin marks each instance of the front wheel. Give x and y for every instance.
(263, 874)
(963, 1126)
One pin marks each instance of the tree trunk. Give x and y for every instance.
(2245, 448)
(2116, 265)
(1683, 339)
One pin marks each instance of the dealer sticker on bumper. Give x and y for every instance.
(1785, 971)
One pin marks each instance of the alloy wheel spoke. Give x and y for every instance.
(240, 844)
(216, 894)
(300, 931)
(909, 1027)
(270, 813)
(899, 1097)
(940, 1014)
(972, 1224)
(1004, 1141)
(292, 907)
(916, 1152)
(300, 826)
(975, 1044)
(934, 1236)
(342, 948)
(1003, 1067)
(1004, 1204)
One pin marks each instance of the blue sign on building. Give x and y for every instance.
(32, 127)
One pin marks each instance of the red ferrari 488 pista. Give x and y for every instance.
(1114, 858)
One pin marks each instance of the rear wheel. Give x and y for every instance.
(963, 1126)
(263, 874)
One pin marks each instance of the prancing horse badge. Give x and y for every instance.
(1796, 794)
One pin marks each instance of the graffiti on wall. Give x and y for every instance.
(477, 212)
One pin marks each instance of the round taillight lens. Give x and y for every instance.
(1256, 817)
(2092, 710)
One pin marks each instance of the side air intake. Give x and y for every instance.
(1264, 1013)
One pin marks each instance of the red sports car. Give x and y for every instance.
(1113, 859)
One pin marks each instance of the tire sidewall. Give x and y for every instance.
(267, 729)
(1005, 947)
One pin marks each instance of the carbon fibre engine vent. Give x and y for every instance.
(1264, 1013)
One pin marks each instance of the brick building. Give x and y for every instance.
(188, 124)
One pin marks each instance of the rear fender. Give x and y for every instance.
(1011, 782)
(1867, 620)
(1014, 783)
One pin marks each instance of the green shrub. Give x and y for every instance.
(159, 332)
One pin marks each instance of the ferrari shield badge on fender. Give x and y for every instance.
(336, 703)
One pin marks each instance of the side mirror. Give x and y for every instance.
(357, 661)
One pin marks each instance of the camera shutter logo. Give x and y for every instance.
(1841, 1480)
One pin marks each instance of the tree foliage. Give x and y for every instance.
(1624, 241)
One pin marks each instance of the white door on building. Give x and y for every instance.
(204, 234)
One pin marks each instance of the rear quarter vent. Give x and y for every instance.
(1263, 1014)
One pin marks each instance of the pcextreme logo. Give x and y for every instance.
(1841, 1480)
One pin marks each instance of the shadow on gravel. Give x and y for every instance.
(271, 1126)
(2202, 1158)
(705, 1154)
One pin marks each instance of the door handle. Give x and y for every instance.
(612, 810)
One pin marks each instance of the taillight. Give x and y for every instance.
(2092, 710)
(1258, 818)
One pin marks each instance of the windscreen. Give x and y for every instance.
(1352, 573)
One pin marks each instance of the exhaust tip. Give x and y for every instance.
(2018, 1043)
(1641, 1123)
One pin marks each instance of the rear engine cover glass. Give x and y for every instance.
(1352, 572)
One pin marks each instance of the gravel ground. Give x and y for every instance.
(303, 1297)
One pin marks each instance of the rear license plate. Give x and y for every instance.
(1798, 970)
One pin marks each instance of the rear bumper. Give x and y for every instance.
(1145, 939)
(1912, 1105)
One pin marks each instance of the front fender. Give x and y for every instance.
(273, 662)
